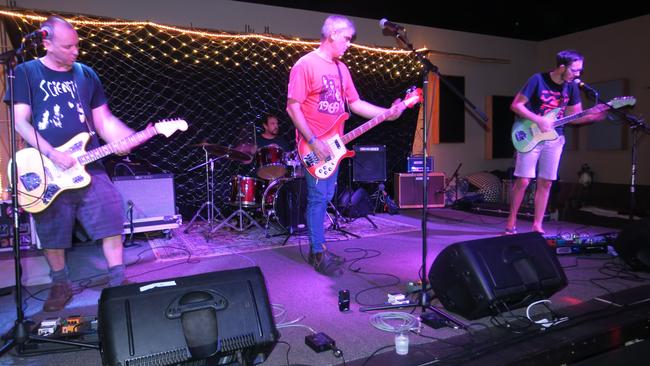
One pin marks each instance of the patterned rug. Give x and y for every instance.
(229, 241)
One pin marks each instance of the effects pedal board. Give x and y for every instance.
(581, 244)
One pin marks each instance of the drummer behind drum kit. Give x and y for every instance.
(279, 191)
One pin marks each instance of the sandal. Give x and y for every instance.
(512, 231)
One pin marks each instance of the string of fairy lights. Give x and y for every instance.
(220, 83)
(200, 45)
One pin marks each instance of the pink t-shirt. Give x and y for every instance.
(316, 85)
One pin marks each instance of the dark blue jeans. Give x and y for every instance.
(319, 193)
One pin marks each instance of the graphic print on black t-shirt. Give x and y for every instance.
(59, 102)
(330, 97)
(551, 100)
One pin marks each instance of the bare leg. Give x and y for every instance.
(112, 247)
(542, 192)
(518, 192)
(55, 258)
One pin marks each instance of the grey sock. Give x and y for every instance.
(116, 275)
(60, 276)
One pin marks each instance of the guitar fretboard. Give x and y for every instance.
(108, 149)
(571, 118)
(368, 125)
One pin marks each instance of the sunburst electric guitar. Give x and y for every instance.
(323, 169)
(40, 181)
(526, 134)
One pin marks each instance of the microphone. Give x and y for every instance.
(584, 86)
(390, 26)
(38, 35)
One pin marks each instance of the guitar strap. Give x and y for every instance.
(81, 80)
(346, 107)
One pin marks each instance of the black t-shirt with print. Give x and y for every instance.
(57, 112)
(545, 95)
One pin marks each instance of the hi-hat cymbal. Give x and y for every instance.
(229, 153)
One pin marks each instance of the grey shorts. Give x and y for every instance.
(545, 157)
(97, 207)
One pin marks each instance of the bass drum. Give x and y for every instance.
(286, 199)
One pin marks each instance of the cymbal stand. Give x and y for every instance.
(212, 212)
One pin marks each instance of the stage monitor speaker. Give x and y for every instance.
(215, 316)
(488, 276)
(408, 190)
(633, 245)
(369, 163)
(152, 195)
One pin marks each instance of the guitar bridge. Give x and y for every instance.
(50, 192)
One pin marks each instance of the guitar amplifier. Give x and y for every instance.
(150, 201)
(408, 190)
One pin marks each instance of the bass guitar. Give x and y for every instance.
(323, 169)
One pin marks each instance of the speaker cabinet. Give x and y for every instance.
(479, 277)
(633, 245)
(186, 319)
(408, 190)
(369, 163)
(149, 202)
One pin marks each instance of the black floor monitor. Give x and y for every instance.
(220, 317)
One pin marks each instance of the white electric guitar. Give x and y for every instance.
(40, 181)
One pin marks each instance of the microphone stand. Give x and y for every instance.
(19, 335)
(428, 68)
(635, 123)
(448, 183)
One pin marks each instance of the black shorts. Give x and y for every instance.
(98, 208)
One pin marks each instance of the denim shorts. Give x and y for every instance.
(97, 207)
(545, 157)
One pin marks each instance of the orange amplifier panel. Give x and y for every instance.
(408, 189)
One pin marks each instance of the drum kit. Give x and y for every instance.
(277, 191)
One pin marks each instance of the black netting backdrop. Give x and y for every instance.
(222, 85)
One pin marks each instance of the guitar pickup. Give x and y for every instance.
(30, 181)
(338, 145)
(520, 135)
(78, 179)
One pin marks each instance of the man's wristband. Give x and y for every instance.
(311, 140)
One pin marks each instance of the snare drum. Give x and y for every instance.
(270, 164)
(249, 189)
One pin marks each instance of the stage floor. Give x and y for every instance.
(376, 264)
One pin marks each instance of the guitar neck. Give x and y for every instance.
(571, 118)
(370, 124)
(108, 149)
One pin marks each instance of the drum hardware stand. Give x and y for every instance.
(240, 214)
(335, 221)
(212, 212)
